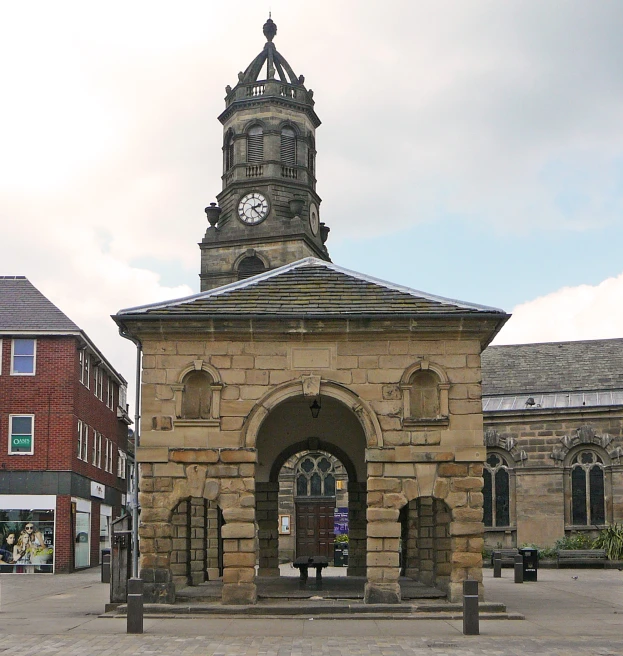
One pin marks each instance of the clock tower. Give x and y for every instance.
(268, 210)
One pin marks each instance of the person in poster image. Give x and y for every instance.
(29, 540)
(6, 553)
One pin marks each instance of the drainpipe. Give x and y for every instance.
(137, 419)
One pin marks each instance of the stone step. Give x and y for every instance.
(336, 609)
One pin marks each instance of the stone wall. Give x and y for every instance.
(537, 445)
(364, 381)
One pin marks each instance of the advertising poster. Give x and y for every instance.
(26, 541)
(340, 521)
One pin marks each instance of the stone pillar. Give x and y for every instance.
(213, 535)
(155, 531)
(466, 529)
(198, 555)
(426, 552)
(385, 498)
(180, 526)
(239, 557)
(442, 544)
(267, 514)
(357, 548)
(412, 566)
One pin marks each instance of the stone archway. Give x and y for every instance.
(290, 428)
(310, 387)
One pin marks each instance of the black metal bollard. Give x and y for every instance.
(519, 569)
(471, 624)
(135, 606)
(497, 565)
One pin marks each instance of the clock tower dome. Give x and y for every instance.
(268, 210)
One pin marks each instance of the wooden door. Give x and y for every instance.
(314, 528)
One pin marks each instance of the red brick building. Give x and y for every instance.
(63, 437)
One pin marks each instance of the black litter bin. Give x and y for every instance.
(338, 555)
(530, 563)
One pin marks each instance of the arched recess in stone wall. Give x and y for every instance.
(362, 410)
(455, 491)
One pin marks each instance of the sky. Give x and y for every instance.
(472, 150)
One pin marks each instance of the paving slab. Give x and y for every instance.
(577, 612)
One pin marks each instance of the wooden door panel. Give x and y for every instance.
(314, 529)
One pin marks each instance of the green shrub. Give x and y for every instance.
(577, 541)
(611, 539)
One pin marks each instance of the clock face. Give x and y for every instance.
(253, 208)
(314, 221)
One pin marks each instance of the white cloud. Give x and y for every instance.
(111, 146)
(571, 313)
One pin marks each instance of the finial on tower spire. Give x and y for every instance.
(269, 29)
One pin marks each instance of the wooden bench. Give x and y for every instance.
(303, 564)
(507, 556)
(575, 557)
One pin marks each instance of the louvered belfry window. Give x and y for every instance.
(288, 147)
(255, 145)
(250, 266)
(228, 151)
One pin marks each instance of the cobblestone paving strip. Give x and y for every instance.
(162, 645)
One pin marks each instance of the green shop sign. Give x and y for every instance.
(21, 443)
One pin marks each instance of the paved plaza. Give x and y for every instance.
(577, 612)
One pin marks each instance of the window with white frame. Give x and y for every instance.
(98, 383)
(110, 393)
(21, 434)
(85, 365)
(94, 450)
(85, 443)
(111, 458)
(23, 357)
(108, 457)
(0, 356)
(79, 440)
(121, 464)
(99, 450)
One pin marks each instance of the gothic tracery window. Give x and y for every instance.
(496, 491)
(315, 476)
(587, 489)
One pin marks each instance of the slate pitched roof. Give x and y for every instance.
(24, 307)
(553, 367)
(311, 288)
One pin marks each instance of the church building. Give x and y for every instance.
(284, 353)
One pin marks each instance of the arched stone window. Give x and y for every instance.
(228, 151)
(497, 491)
(588, 498)
(197, 395)
(315, 476)
(250, 266)
(288, 147)
(425, 394)
(255, 145)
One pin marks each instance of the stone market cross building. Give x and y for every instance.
(284, 353)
